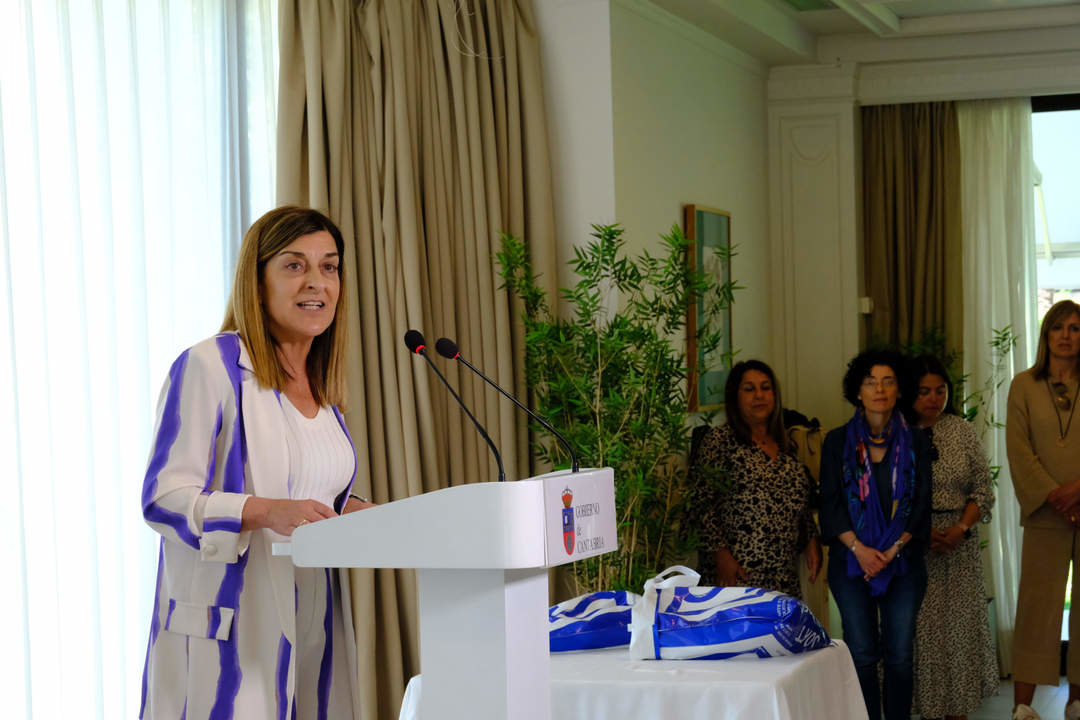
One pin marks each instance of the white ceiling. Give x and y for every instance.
(777, 34)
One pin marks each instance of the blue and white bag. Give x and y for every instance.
(676, 620)
(588, 622)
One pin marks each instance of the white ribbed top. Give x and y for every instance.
(320, 456)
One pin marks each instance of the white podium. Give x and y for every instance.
(481, 552)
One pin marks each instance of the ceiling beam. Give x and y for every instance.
(989, 21)
(865, 48)
(875, 16)
(759, 28)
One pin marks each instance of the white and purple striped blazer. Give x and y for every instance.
(224, 622)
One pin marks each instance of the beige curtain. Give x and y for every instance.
(419, 126)
(912, 244)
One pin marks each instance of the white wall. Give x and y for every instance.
(690, 127)
(648, 113)
(575, 51)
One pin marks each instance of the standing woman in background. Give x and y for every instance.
(249, 445)
(875, 516)
(1044, 460)
(955, 662)
(754, 497)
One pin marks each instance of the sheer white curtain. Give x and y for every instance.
(999, 290)
(136, 142)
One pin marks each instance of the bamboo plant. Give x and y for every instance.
(614, 380)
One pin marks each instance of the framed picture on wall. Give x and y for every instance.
(708, 230)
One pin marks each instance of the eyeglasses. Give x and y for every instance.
(887, 383)
(1061, 396)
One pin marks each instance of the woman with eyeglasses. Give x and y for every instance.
(1044, 461)
(875, 517)
(955, 661)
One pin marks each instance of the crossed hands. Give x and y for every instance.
(1066, 500)
(945, 541)
(872, 561)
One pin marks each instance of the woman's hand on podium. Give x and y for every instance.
(354, 503)
(282, 516)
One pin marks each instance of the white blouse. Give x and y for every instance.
(320, 456)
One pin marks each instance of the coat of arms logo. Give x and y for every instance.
(568, 520)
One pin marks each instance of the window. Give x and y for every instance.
(1055, 126)
(136, 142)
(1055, 136)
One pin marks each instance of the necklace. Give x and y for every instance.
(1062, 432)
(882, 439)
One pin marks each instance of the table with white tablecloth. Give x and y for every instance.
(608, 685)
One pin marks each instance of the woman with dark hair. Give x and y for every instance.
(955, 662)
(875, 517)
(754, 497)
(1044, 461)
(250, 444)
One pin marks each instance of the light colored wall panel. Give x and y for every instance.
(575, 40)
(689, 120)
(814, 234)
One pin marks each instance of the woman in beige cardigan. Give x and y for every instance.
(1044, 460)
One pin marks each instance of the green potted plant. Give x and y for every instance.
(614, 380)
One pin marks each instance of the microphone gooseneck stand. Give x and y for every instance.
(414, 340)
(449, 349)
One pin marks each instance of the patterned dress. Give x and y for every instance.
(760, 509)
(955, 661)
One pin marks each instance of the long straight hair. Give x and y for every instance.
(731, 400)
(246, 315)
(1058, 312)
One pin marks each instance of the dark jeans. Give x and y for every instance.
(881, 628)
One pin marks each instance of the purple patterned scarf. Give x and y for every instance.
(875, 526)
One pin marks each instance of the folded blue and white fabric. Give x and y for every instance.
(592, 621)
(676, 620)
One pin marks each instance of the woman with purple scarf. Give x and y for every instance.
(875, 517)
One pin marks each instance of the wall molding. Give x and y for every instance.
(866, 48)
(823, 83)
(928, 80)
(694, 34)
(969, 78)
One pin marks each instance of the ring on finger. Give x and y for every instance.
(302, 522)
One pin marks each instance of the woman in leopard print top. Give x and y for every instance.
(753, 497)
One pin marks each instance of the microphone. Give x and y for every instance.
(414, 340)
(449, 349)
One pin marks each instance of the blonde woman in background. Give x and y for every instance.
(1043, 443)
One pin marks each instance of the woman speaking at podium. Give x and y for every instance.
(249, 445)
